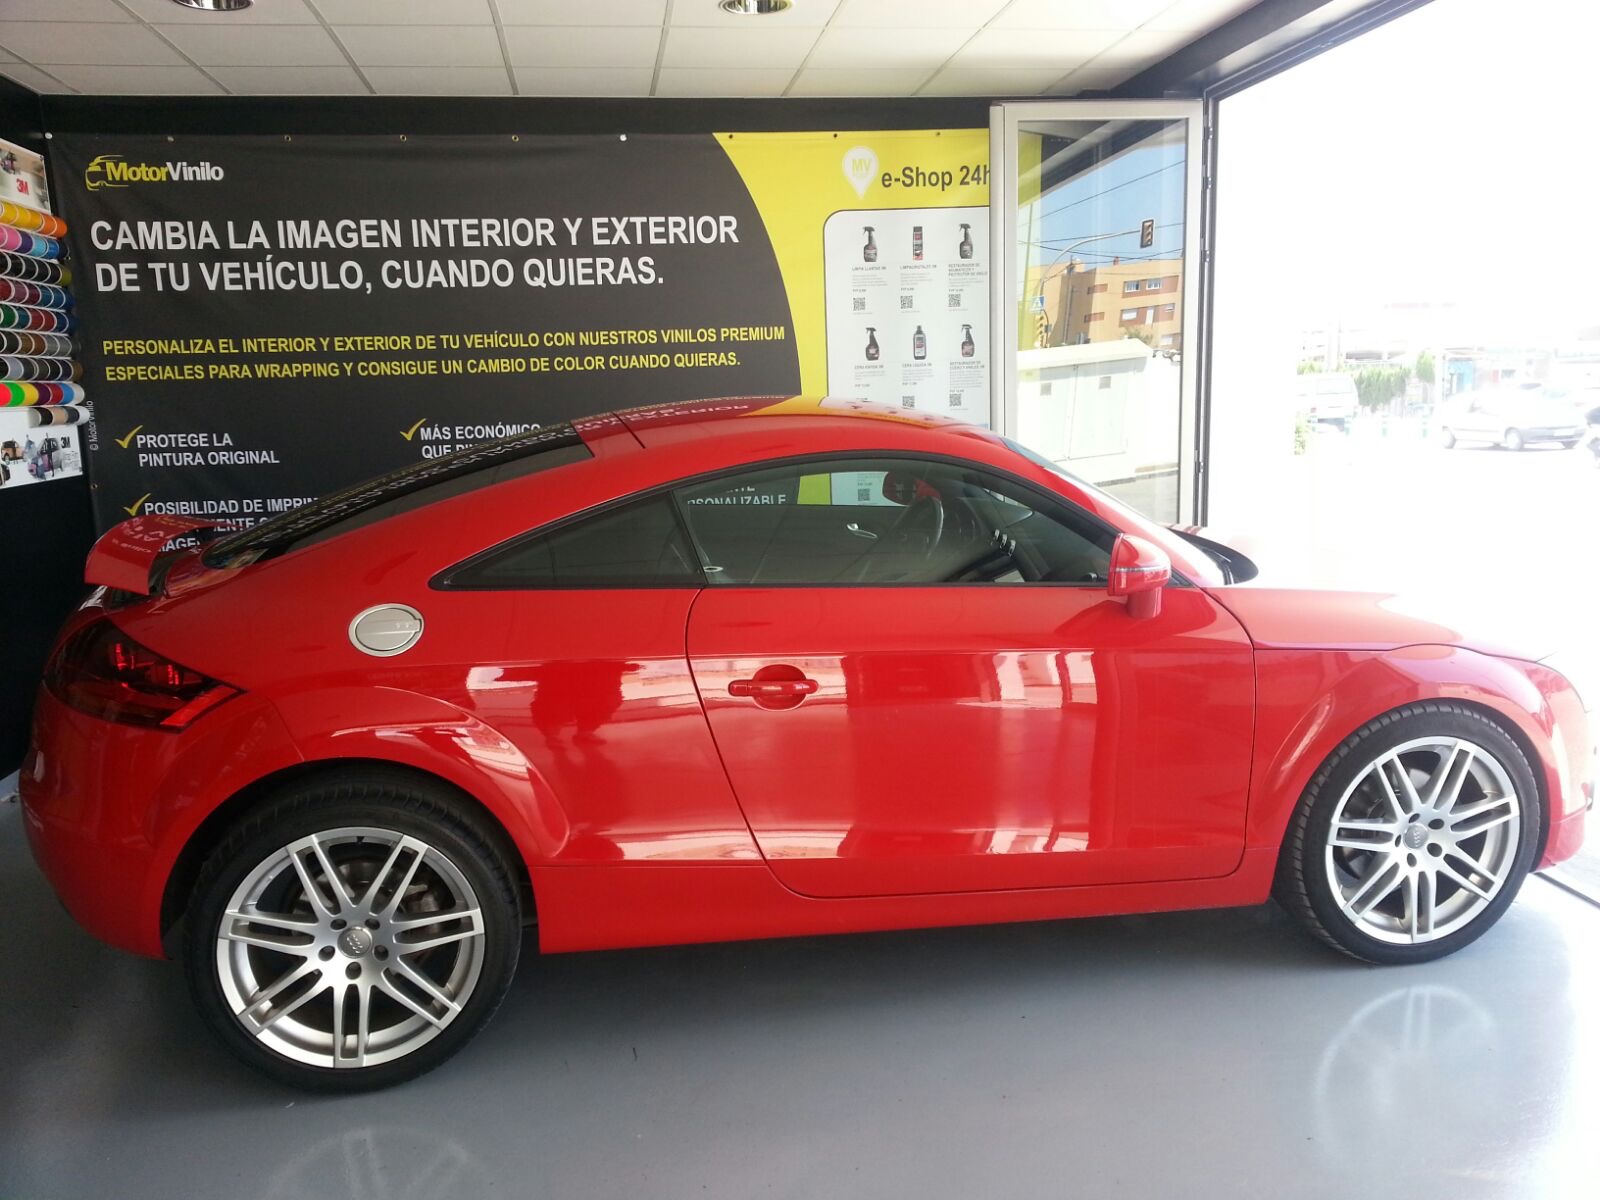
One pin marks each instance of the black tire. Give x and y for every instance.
(387, 801)
(1302, 884)
(1568, 445)
(1447, 438)
(1513, 440)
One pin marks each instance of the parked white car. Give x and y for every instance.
(1513, 417)
(1326, 399)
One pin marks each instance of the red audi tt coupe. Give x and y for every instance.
(738, 669)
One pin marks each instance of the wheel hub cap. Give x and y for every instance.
(355, 942)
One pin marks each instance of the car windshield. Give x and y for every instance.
(409, 488)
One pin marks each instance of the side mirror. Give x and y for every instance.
(1139, 570)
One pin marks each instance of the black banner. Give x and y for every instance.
(265, 320)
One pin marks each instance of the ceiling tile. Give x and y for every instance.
(439, 81)
(1059, 48)
(1141, 48)
(65, 10)
(708, 13)
(262, 12)
(571, 46)
(741, 48)
(1079, 14)
(140, 81)
(727, 81)
(859, 81)
(32, 77)
(587, 12)
(405, 12)
(957, 81)
(916, 14)
(255, 46)
(1193, 16)
(67, 42)
(594, 81)
(900, 48)
(290, 81)
(422, 45)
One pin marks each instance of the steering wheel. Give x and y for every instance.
(921, 526)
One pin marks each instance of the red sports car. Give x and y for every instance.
(737, 669)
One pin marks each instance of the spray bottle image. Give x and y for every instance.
(869, 252)
(916, 243)
(968, 346)
(872, 344)
(919, 344)
(966, 241)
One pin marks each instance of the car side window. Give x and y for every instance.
(888, 521)
(632, 546)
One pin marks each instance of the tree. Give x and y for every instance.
(1309, 366)
(1424, 367)
(1377, 386)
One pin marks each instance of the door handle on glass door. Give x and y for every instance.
(860, 532)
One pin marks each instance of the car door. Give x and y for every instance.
(917, 682)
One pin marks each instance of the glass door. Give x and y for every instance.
(1093, 212)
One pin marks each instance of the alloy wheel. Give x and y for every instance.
(350, 947)
(1423, 840)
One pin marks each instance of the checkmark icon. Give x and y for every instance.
(123, 441)
(133, 509)
(408, 434)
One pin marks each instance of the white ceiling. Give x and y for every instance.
(595, 47)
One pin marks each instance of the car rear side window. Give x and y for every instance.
(636, 545)
(409, 488)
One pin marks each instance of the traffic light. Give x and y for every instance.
(1147, 233)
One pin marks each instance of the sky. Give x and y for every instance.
(1451, 156)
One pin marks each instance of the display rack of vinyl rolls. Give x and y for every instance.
(38, 356)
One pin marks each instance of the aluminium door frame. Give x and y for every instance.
(1004, 286)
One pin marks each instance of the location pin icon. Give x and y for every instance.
(860, 167)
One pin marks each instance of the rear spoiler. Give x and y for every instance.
(126, 554)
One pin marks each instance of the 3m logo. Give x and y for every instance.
(112, 170)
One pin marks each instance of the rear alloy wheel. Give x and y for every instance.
(352, 942)
(1414, 837)
(1447, 438)
(1513, 440)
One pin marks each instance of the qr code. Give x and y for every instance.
(908, 401)
(953, 299)
(906, 303)
(858, 304)
(955, 399)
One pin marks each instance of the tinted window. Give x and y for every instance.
(401, 491)
(886, 521)
(637, 545)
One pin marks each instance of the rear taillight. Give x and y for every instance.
(102, 671)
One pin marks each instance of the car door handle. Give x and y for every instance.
(772, 689)
(860, 532)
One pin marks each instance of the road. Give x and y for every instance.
(1504, 542)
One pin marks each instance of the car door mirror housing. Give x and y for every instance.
(1139, 570)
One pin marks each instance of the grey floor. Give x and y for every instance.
(1201, 1054)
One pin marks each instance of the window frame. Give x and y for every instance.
(1041, 499)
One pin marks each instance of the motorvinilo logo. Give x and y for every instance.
(114, 171)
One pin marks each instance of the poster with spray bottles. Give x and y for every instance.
(901, 220)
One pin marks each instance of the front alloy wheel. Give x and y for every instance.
(354, 945)
(1413, 837)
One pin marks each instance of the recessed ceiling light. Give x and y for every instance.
(216, 5)
(755, 8)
